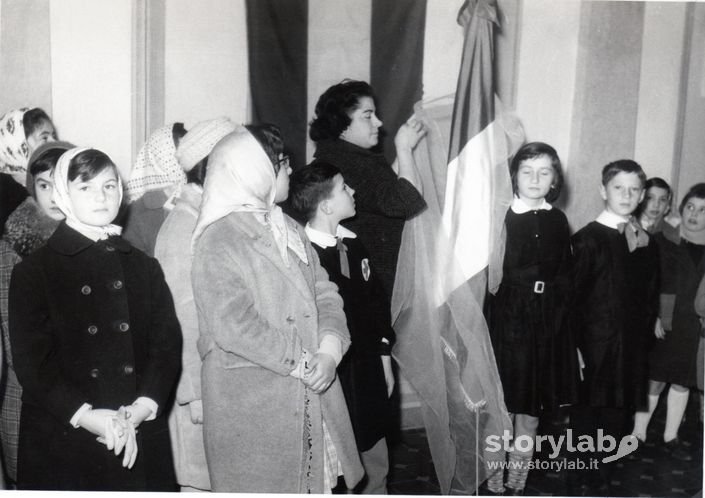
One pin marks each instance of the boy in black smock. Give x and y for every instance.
(319, 194)
(615, 310)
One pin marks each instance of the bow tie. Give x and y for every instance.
(343, 253)
(635, 235)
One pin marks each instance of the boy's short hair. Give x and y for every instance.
(697, 190)
(622, 166)
(309, 186)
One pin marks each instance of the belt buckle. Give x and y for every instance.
(539, 285)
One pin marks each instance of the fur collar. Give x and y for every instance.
(28, 228)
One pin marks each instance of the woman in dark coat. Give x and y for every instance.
(346, 132)
(96, 345)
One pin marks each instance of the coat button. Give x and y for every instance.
(124, 327)
(290, 319)
(85, 290)
(93, 330)
(128, 369)
(95, 373)
(117, 284)
(109, 248)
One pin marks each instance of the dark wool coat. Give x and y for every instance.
(263, 429)
(91, 322)
(27, 229)
(614, 313)
(673, 359)
(530, 333)
(367, 311)
(382, 200)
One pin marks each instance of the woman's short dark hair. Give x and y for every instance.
(334, 107)
(309, 186)
(32, 119)
(270, 138)
(88, 164)
(697, 190)
(532, 150)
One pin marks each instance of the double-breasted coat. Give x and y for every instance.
(91, 322)
(263, 428)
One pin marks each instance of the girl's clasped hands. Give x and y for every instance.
(121, 434)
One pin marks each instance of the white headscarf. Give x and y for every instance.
(63, 200)
(14, 150)
(156, 166)
(241, 178)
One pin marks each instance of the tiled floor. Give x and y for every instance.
(653, 473)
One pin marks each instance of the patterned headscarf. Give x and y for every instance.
(241, 179)
(156, 167)
(14, 150)
(63, 200)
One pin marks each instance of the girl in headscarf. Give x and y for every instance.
(21, 132)
(160, 173)
(186, 417)
(272, 331)
(28, 228)
(96, 346)
(155, 180)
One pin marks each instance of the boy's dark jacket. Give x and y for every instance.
(615, 306)
(367, 311)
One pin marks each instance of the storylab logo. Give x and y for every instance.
(604, 443)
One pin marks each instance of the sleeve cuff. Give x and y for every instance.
(79, 413)
(150, 404)
(333, 346)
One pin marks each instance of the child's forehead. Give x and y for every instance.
(657, 191)
(625, 178)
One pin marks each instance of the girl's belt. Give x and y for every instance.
(538, 286)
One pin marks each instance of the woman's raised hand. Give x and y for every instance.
(409, 134)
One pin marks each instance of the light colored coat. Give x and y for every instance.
(262, 427)
(174, 254)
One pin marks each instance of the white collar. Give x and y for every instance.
(519, 206)
(610, 219)
(323, 239)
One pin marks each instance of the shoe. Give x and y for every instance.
(513, 492)
(483, 490)
(676, 450)
(638, 453)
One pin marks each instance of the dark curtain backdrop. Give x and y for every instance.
(278, 45)
(396, 62)
(277, 34)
